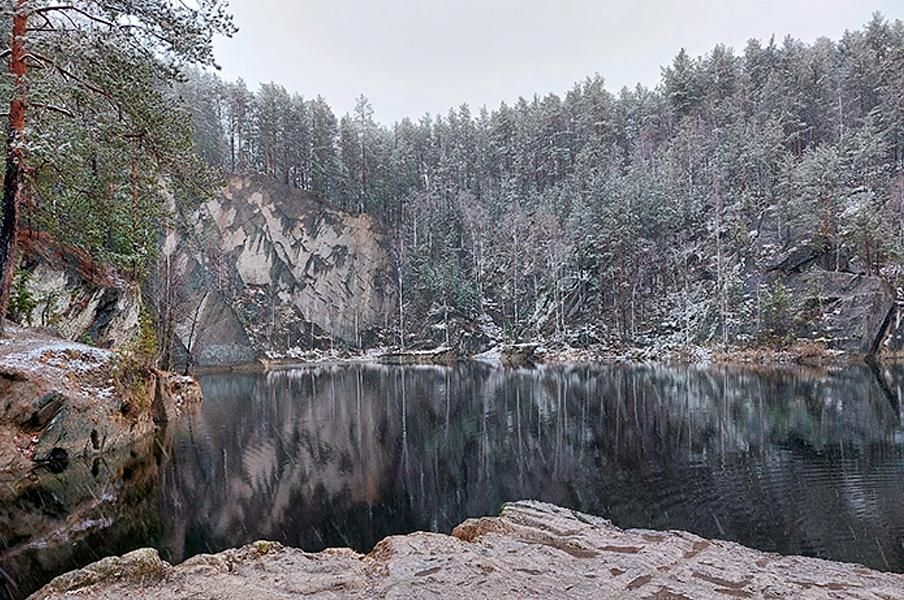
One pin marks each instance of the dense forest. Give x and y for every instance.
(600, 215)
(587, 217)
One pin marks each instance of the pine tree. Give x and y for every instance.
(89, 78)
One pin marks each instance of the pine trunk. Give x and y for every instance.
(13, 180)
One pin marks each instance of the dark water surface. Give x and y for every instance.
(792, 461)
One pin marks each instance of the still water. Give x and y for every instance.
(793, 461)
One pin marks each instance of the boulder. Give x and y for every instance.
(60, 401)
(435, 356)
(532, 550)
(516, 355)
(174, 396)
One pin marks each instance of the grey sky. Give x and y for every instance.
(410, 57)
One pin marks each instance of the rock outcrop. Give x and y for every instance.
(447, 327)
(846, 311)
(76, 298)
(891, 344)
(266, 269)
(61, 400)
(262, 270)
(532, 550)
(436, 356)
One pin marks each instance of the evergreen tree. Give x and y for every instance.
(93, 121)
(617, 214)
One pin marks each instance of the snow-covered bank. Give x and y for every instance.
(531, 353)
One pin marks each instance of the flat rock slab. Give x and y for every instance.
(531, 550)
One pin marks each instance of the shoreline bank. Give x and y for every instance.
(803, 356)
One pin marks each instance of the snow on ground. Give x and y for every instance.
(493, 355)
(89, 367)
(59, 355)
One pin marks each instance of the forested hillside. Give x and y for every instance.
(605, 215)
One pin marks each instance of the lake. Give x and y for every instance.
(796, 461)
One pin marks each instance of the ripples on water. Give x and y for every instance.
(792, 461)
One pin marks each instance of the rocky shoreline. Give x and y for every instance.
(64, 401)
(79, 431)
(528, 354)
(531, 550)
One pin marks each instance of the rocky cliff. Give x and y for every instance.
(261, 270)
(847, 311)
(76, 298)
(265, 269)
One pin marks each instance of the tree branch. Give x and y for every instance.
(52, 107)
(69, 74)
(75, 9)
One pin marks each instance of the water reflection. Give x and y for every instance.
(52, 523)
(791, 461)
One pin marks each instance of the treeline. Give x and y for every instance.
(605, 214)
(97, 142)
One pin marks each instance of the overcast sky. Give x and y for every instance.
(410, 57)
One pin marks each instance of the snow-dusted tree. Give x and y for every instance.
(240, 127)
(93, 125)
(659, 206)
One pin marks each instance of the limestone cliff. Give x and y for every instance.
(265, 269)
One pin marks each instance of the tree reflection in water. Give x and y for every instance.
(791, 460)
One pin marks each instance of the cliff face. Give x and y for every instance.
(76, 298)
(265, 269)
(849, 312)
(261, 270)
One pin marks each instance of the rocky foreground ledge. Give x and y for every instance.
(531, 550)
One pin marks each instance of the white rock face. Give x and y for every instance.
(261, 270)
(103, 311)
(267, 268)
